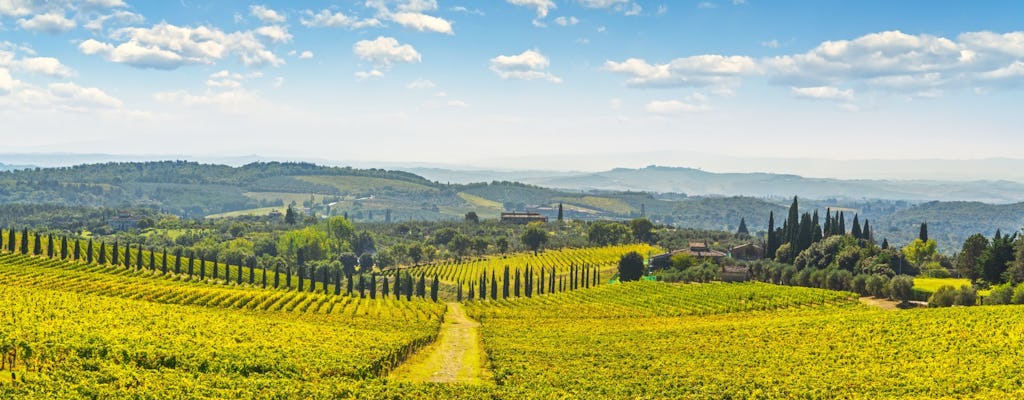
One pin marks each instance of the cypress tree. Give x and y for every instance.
(24, 241)
(301, 276)
(361, 287)
(528, 283)
(885, 243)
(504, 284)
(277, 275)
(421, 286)
(398, 286)
(263, 279)
(793, 223)
(103, 253)
(202, 268)
(471, 292)
(551, 276)
(373, 285)
(63, 247)
(163, 262)
(37, 247)
(867, 232)
(252, 271)
(88, 252)
(138, 258)
(408, 286)
(458, 294)
(816, 233)
(827, 231)
(191, 261)
(77, 253)
(559, 212)
(855, 231)
(923, 234)
(127, 259)
(288, 277)
(177, 261)
(541, 281)
(152, 259)
(215, 268)
(115, 255)
(50, 253)
(433, 289)
(11, 236)
(516, 292)
(384, 288)
(842, 223)
(483, 285)
(772, 239)
(494, 287)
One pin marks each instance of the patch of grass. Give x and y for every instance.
(481, 202)
(363, 184)
(933, 284)
(252, 211)
(612, 205)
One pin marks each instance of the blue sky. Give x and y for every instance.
(559, 84)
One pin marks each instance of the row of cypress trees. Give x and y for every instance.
(526, 283)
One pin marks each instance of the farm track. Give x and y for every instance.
(457, 356)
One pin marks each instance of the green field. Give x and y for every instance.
(262, 212)
(75, 330)
(364, 184)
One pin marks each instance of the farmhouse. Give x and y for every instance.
(522, 217)
(123, 222)
(747, 252)
(700, 250)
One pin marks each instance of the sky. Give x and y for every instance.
(532, 84)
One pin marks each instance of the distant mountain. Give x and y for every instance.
(696, 182)
(11, 167)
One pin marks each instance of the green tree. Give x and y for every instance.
(366, 263)
(918, 251)
(349, 262)
(742, 230)
(631, 267)
(460, 245)
(502, 244)
(606, 233)
(902, 288)
(643, 230)
(535, 237)
(290, 216)
(968, 261)
(472, 217)
(923, 234)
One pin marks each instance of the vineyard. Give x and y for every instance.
(70, 329)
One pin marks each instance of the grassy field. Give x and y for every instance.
(363, 184)
(262, 211)
(612, 205)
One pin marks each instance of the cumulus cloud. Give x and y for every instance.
(563, 21)
(305, 55)
(328, 19)
(47, 66)
(120, 17)
(266, 15)
(694, 71)
(52, 23)
(422, 22)
(528, 65)
(383, 52)
(90, 97)
(624, 6)
(15, 8)
(276, 33)
(7, 82)
(227, 80)
(542, 7)
(166, 46)
(823, 93)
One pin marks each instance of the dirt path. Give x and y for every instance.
(884, 304)
(457, 356)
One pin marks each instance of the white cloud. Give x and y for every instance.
(563, 21)
(305, 55)
(528, 65)
(15, 8)
(166, 46)
(79, 96)
(7, 82)
(422, 22)
(823, 93)
(694, 71)
(52, 23)
(120, 16)
(706, 5)
(462, 9)
(457, 104)
(672, 107)
(626, 7)
(276, 33)
(266, 15)
(418, 5)
(328, 19)
(771, 44)
(420, 84)
(541, 6)
(48, 66)
(385, 51)
(373, 73)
